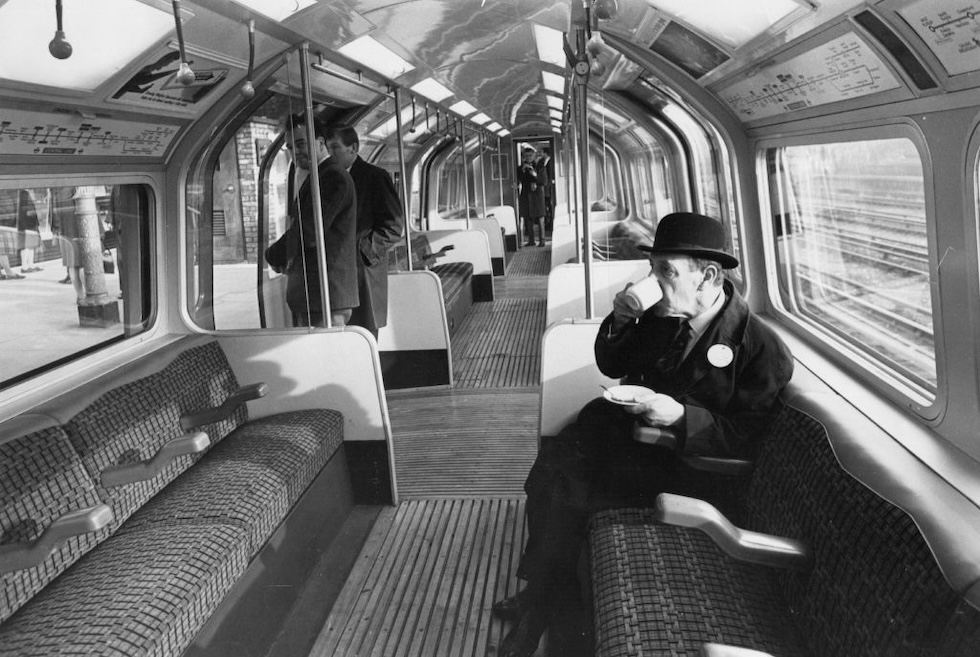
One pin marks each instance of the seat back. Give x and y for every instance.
(42, 478)
(876, 588)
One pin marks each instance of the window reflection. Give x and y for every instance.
(74, 272)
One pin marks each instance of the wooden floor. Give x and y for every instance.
(428, 577)
(464, 443)
(434, 564)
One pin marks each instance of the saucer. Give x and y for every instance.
(627, 395)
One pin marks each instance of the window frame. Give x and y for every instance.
(872, 373)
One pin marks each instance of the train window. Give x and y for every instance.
(451, 190)
(75, 271)
(710, 171)
(854, 250)
(651, 175)
(605, 183)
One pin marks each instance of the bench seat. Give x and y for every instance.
(252, 478)
(144, 592)
(662, 590)
(456, 277)
(871, 584)
(457, 290)
(179, 541)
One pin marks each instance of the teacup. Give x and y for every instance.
(643, 294)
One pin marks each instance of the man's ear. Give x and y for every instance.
(711, 273)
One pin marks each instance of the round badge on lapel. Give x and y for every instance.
(720, 355)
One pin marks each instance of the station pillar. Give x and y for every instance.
(97, 309)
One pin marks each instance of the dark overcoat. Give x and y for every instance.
(729, 383)
(531, 197)
(379, 227)
(296, 250)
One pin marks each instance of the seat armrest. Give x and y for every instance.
(718, 465)
(744, 545)
(442, 252)
(659, 436)
(74, 523)
(209, 415)
(722, 650)
(130, 473)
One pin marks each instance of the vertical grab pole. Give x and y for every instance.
(321, 251)
(582, 122)
(483, 172)
(572, 188)
(406, 201)
(500, 179)
(466, 168)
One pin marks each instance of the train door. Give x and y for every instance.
(241, 208)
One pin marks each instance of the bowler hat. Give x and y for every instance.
(688, 233)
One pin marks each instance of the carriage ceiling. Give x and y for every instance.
(485, 52)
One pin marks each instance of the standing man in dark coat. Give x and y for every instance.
(379, 226)
(530, 199)
(546, 175)
(296, 251)
(714, 372)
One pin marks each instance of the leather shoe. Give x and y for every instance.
(511, 608)
(523, 639)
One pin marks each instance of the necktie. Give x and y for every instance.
(674, 353)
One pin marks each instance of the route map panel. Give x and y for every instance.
(953, 35)
(43, 133)
(843, 68)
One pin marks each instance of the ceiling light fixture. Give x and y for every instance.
(551, 45)
(368, 51)
(462, 108)
(553, 82)
(733, 23)
(432, 89)
(277, 9)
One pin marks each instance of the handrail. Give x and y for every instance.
(321, 246)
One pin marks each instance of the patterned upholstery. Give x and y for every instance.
(41, 479)
(875, 591)
(131, 422)
(252, 478)
(455, 276)
(141, 593)
(663, 590)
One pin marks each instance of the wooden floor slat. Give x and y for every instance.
(499, 344)
(451, 443)
(530, 261)
(426, 581)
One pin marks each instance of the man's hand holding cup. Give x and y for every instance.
(635, 299)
